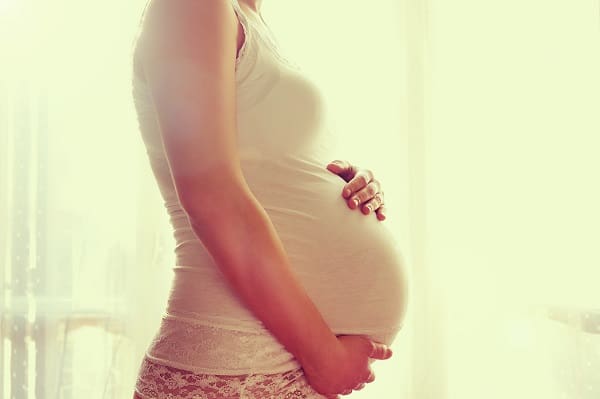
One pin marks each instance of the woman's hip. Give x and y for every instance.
(158, 381)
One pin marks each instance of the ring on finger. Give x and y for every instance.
(375, 202)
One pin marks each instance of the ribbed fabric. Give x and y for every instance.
(350, 264)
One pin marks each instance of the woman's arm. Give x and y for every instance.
(187, 51)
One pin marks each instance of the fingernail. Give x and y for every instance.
(369, 208)
(356, 201)
(346, 192)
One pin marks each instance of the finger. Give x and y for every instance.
(364, 194)
(381, 213)
(359, 386)
(372, 205)
(338, 166)
(359, 181)
(380, 351)
(344, 169)
(370, 378)
(346, 392)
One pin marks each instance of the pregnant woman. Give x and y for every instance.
(279, 291)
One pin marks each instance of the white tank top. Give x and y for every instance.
(349, 264)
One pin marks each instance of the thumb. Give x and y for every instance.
(380, 351)
(337, 166)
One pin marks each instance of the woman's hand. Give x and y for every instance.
(347, 366)
(362, 190)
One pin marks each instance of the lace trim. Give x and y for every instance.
(271, 42)
(156, 381)
(201, 348)
(247, 35)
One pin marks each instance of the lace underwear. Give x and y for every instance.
(202, 347)
(157, 381)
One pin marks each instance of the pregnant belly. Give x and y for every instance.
(349, 263)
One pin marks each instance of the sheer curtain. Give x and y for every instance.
(479, 118)
(511, 132)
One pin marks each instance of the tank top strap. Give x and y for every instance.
(257, 34)
(247, 55)
(247, 30)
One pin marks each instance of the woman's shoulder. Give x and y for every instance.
(166, 25)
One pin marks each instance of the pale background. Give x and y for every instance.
(479, 117)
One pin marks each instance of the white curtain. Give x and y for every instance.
(480, 119)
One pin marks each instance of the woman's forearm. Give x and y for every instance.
(244, 244)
